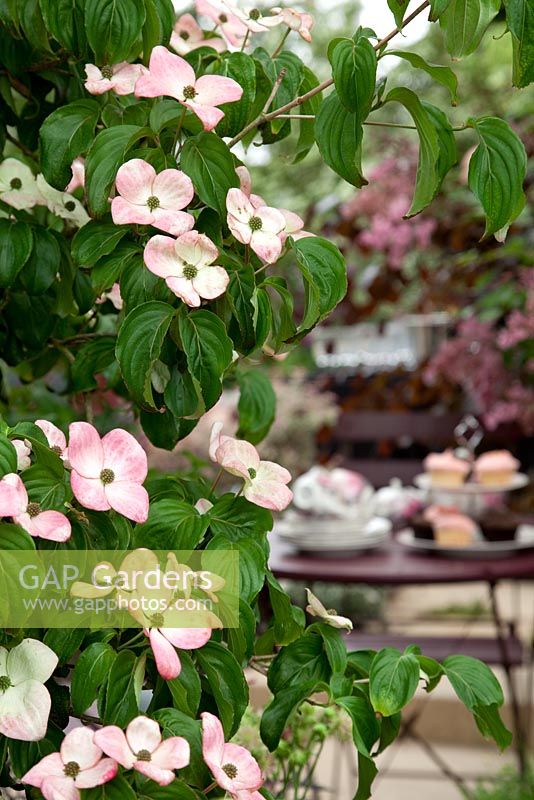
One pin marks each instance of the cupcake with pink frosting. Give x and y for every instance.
(445, 469)
(496, 468)
(452, 529)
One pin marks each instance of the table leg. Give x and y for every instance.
(519, 737)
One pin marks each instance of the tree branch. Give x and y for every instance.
(266, 117)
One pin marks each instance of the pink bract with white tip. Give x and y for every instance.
(141, 748)
(78, 765)
(164, 641)
(233, 767)
(265, 481)
(148, 198)
(109, 472)
(15, 503)
(119, 78)
(187, 266)
(172, 76)
(54, 436)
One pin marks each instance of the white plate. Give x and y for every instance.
(374, 535)
(524, 541)
(518, 480)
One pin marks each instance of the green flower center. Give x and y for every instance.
(190, 272)
(72, 769)
(144, 755)
(255, 224)
(70, 205)
(255, 13)
(230, 769)
(158, 620)
(107, 476)
(33, 509)
(184, 35)
(153, 202)
(252, 472)
(223, 18)
(107, 72)
(15, 183)
(5, 683)
(189, 92)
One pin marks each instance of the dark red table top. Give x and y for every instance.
(394, 565)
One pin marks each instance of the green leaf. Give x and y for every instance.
(105, 156)
(117, 789)
(91, 359)
(443, 75)
(8, 457)
(89, 674)
(428, 178)
(139, 346)
(288, 620)
(24, 755)
(241, 68)
(209, 164)
(464, 23)
(437, 7)
(40, 271)
(306, 138)
(398, 9)
(175, 791)
(65, 133)
(277, 713)
(95, 240)
(240, 293)
(325, 280)
(496, 172)
(16, 243)
(182, 395)
(64, 641)
(175, 723)
(480, 691)
(237, 518)
(108, 270)
(252, 564)
(334, 646)
(354, 71)
(338, 133)
(304, 660)
(12, 537)
(118, 702)
(256, 407)
(112, 27)
(171, 524)
(365, 727)
(226, 682)
(186, 689)
(448, 153)
(208, 350)
(367, 772)
(393, 680)
(64, 20)
(520, 19)
(158, 25)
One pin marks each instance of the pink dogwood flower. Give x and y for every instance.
(108, 472)
(187, 266)
(233, 767)
(164, 641)
(119, 78)
(265, 481)
(78, 765)
(260, 226)
(296, 20)
(55, 437)
(293, 223)
(142, 748)
(187, 35)
(225, 17)
(148, 198)
(172, 76)
(24, 699)
(14, 502)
